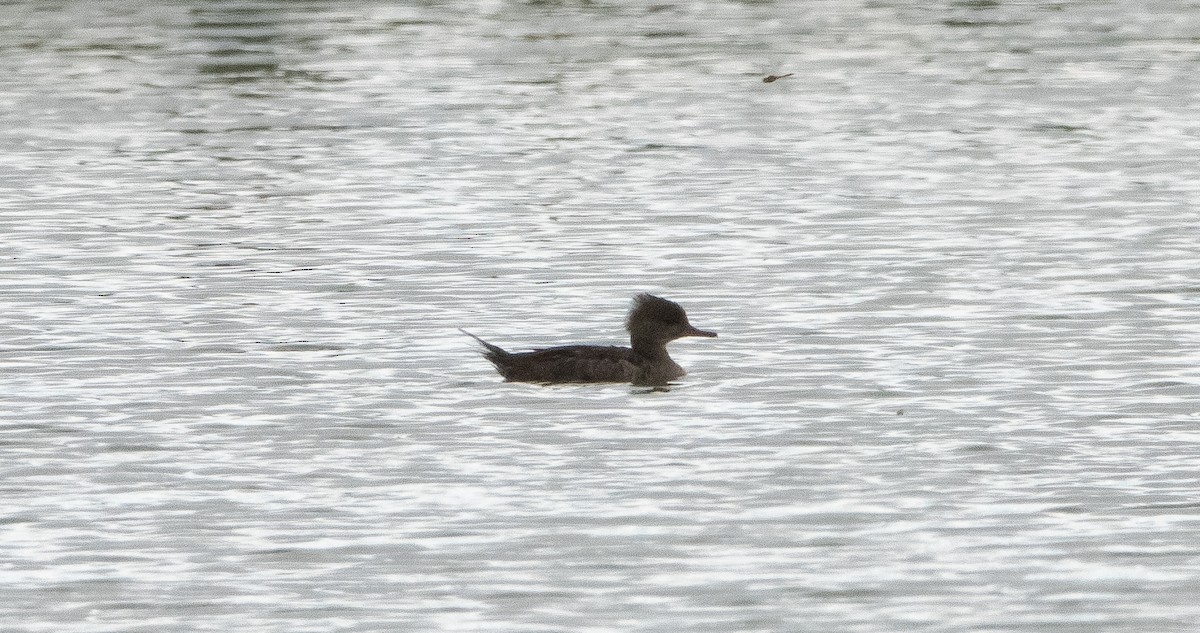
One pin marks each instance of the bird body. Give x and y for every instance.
(652, 323)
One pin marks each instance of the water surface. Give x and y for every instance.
(952, 261)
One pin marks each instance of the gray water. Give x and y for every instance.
(953, 262)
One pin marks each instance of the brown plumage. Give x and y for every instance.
(652, 323)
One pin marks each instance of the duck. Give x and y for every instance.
(652, 323)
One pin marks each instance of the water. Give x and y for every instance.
(952, 261)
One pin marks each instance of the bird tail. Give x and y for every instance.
(494, 353)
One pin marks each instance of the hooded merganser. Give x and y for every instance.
(652, 323)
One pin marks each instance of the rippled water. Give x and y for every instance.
(952, 260)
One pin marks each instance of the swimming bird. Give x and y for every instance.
(652, 323)
(773, 78)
